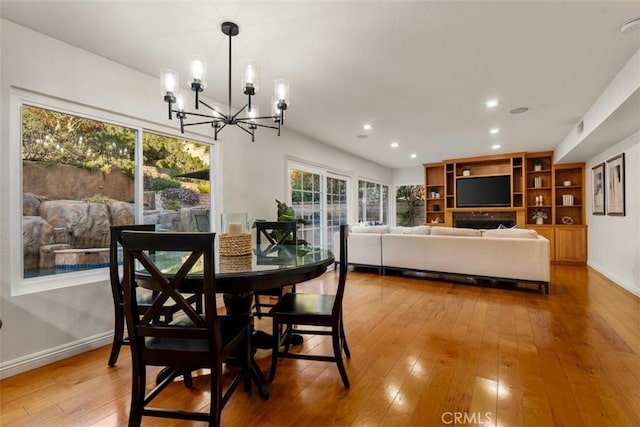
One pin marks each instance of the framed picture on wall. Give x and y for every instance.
(615, 185)
(598, 189)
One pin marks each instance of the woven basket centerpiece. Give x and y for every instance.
(232, 264)
(235, 244)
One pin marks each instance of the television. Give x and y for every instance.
(483, 191)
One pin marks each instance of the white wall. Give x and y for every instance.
(408, 176)
(253, 173)
(623, 85)
(45, 326)
(614, 241)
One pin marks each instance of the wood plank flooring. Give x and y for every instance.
(424, 353)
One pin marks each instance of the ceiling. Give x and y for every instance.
(420, 71)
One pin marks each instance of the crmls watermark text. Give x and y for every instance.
(479, 418)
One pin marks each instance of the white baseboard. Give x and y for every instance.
(36, 360)
(633, 290)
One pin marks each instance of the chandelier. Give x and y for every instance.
(247, 118)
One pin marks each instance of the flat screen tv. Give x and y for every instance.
(483, 191)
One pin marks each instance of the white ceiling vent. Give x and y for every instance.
(580, 127)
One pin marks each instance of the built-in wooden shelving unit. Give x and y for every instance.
(536, 185)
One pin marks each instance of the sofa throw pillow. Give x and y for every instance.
(517, 233)
(452, 231)
(418, 229)
(377, 229)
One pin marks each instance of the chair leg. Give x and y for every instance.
(215, 406)
(337, 353)
(256, 303)
(118, 336)
(188, 378)
(138, 384)
(275, 350)
(343, 339)
(288, 331)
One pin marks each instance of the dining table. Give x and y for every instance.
(237, 277)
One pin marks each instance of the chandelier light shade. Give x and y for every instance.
(250, 78)
(247, 118)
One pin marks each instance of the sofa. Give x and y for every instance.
(511, 255)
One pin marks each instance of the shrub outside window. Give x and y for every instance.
(410, 205)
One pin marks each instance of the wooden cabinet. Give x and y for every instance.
(571, 244)
(434, 179)
(557, 193)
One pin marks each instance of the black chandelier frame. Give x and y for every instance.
(220, 120)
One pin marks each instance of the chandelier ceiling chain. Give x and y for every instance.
(215, 117)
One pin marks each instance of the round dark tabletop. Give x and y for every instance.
(261, 270)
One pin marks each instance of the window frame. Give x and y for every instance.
(19, 97)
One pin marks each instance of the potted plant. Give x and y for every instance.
(537, 165)
(286, 213)
(539, 215)
(466, 171)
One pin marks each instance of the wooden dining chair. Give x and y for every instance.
(276, 233)
(191, 341)
(316, 310)
(145, 299)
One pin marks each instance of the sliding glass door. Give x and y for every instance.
(320, 198)
(337, 207)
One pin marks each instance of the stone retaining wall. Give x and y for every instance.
(54, 225)
(60, 182)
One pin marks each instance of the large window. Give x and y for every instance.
(410, 205)
(321, 200)
(79, 177)
(176, 183)
(373, 202)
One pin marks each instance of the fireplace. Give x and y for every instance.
(485, 220)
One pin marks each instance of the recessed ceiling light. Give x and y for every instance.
(496, 146)
(367, 126)
(414, 155)
(631, 25)
(494, 131)
(519, 110)
(492, 103)
(394, 145)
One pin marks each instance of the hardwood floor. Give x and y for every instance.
(423, 353)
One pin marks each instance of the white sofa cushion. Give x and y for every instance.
(418, 229)
(451, 231)
(516, 233)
